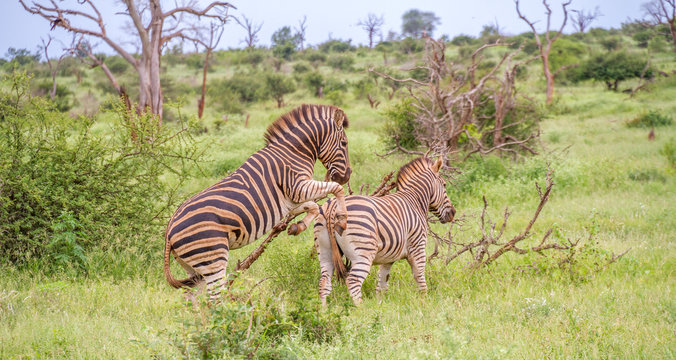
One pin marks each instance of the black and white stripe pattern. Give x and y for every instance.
(273, 182)
(382, 230)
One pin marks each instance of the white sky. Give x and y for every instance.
(337, 19)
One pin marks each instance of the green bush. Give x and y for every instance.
(315, 82)
(230, 94)
(335, 45)
(463, 39)
(669, 151)
(110, 187)
(336, 97)
(278, 85)
(300, 68)
(650, 119)
(612, 68)
(341, 62)
(400, 125)
(64, 99)
(117, 64)
(254, 329)
(315, 57)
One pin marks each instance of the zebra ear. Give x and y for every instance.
(437, 165)
(340, 118)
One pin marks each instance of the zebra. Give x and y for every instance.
(273, 182)
(382, 230)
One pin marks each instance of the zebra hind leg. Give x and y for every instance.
(325, 261)
(383, 278)
(355, 279)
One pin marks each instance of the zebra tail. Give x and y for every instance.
(336, 256)
(188, 282)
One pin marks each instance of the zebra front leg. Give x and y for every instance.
(309, 190)
(417, 262)
(312, 210)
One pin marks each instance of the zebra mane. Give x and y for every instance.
(414, 165)
(285, 123)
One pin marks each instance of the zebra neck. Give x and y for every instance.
(417, 197)
(300, 162)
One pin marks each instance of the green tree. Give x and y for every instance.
(22, 56)
(613, 67)
(416, 22)
(278, 85)
(315, 81)
(284, 43)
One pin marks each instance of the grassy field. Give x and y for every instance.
(610, 181)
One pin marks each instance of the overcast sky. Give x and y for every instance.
(334, 19)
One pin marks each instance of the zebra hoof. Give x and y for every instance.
(340, 229)
(296, 229)
(279, 227)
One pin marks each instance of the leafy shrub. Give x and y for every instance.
(463, 39)
(341, 62)
(400, 125)
(194, 61)
(284, 43)
(669, 151)
(646, 175)
(650, 119)
(241, 88)
(278, 85)
(117, 64)
(111, 187)
(315, 82)
(611, 43)
(64, 98)
(410, 45)
(612, 68)
(255, 329)
(335, 45)
(301, 68)
(64, 248)
(315, 57)
(336, 97)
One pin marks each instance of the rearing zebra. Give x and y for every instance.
(382, 230)
(273, 182)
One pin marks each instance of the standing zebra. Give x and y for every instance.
(382, 230)
(273, 182)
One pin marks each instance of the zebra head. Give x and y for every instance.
(440, 204)
(421, 177)
(333, 149)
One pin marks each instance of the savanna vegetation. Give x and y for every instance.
(87, 186)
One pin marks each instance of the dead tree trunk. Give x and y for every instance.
(149, 29)
(546, 48)
(215, 33)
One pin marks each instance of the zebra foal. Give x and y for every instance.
(273, 182)
(382, 230)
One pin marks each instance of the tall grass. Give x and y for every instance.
(610, 180)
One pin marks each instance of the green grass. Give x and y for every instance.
(607, 176)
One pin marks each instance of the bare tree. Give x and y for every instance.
(546, 47)
(662, 12)
(300, 32)
(449, 103)
(53, 68)
(581, 20)
(252, 31)
(372, 25)
(153, 27)
(216, 30)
